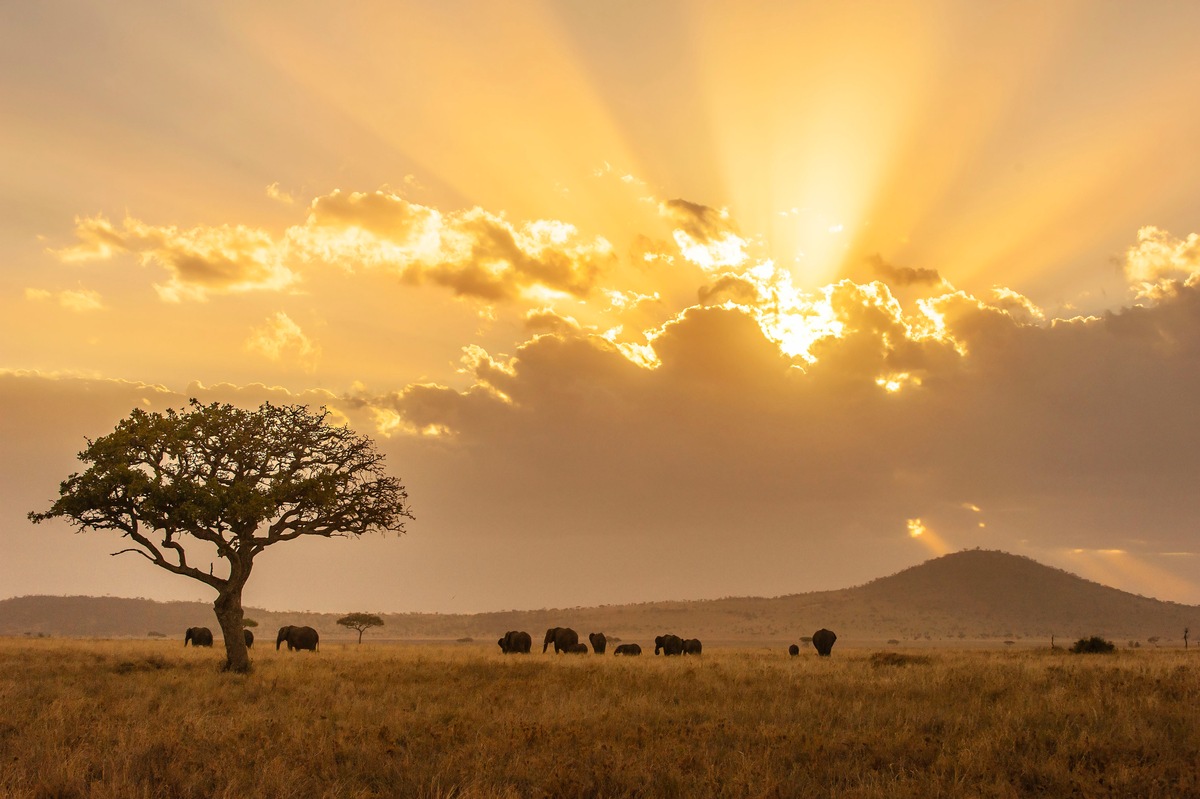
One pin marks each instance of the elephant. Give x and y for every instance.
(198, 636)
(577, 649)
(627, 649)
(563, 639)
(599, 642)
(793, 650)
(692, 646)
(249, 638)
(516, 642)
(669, 644)
(297, 638)
(823, 640)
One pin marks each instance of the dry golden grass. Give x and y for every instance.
(150, 719)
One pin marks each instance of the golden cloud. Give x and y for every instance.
(705, 236)
(472, 252)
(200, 261)
(1159, 261)
(78, 300)
(281, 340)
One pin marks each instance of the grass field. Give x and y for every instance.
(150, 719)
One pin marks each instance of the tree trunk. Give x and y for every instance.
(229, 615)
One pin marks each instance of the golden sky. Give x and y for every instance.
(642, 300)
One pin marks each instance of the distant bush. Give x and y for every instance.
(155, 634)
(1093, 645)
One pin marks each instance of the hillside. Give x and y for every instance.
(962, 596)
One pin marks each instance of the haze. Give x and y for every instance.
(642, 301)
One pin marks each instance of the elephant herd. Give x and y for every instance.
(295, 638)
(566, 640)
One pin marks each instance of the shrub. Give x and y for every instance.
(1093, 645)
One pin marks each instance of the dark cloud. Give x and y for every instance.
(902, 275)
(700, 222)
(729, 288)
(1066, 435)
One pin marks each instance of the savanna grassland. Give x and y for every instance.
(151, 719)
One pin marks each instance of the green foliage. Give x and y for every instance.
(1093, 645)
(232, 482)
(238, 479)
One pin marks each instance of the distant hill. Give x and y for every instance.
(967, 595)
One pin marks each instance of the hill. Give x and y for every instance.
(966, 595)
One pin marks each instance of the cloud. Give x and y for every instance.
(280, 339)
(78, 300)
(903, 275)
(1159, 262)
(1066, 431)
(279, 195)
(546, 320)
(730, 288)
(200, 261)
(705, 236)
(473, 252)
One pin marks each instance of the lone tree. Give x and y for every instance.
(360, 622)
(218, 482)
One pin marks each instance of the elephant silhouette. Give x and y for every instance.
(599, 642)
(692, 646)
(668, 644)
(563, 639)
(823, 640)
(627, 649)
(297, 638)
(516, 642)
(198, 636)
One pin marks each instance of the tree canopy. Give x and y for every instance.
(360, 622)
(219, 482)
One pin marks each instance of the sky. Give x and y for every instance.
(642, 301)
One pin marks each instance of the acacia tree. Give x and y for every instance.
(360, 622)
(225, 483)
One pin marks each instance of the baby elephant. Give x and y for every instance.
(577, 649)
(627, 649)
(793, 650)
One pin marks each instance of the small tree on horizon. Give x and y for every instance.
(360, 622)
(225, 483)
